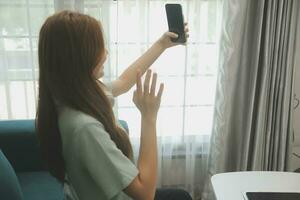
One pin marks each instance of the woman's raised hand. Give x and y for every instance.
(144, 97)
(165, 39)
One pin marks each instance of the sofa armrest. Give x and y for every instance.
(19, 143)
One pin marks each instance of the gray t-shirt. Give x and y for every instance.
(95, 168)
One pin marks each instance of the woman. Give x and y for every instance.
(85, 147)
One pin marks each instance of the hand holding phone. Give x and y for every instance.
(176, 22)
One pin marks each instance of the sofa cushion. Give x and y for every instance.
(40, 185)
(9, 185)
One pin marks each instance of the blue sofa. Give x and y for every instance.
(22, 171)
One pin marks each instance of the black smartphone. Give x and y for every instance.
(176, 22)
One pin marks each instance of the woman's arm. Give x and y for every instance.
(144, 185)
(128, 78)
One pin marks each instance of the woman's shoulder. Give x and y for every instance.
(70, 119)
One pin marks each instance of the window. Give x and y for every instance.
(189, 72)
(20, 21)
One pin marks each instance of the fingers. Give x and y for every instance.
(172, 35)
(160, 91)
(186, 30)
(185, 25)
(153, 84)
(139, 90)
(147, 82)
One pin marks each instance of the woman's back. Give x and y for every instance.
(96, 168)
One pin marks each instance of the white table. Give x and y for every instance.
(231, 186)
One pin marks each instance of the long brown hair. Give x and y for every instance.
(70, 46)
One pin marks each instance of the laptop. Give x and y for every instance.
(272, 195)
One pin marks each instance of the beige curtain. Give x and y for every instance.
(253, 111)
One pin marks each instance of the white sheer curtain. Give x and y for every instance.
(131, 26)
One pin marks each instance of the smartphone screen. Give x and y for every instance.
(175, 21)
